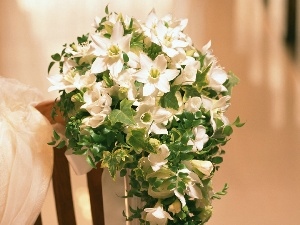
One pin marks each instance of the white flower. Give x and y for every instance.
(209, 57)
(157, 215)
(200, 138)
(193, 104)
(204, 167)
(158, 159)
(109, 52)
(169, 39)
(150, 23)
(192, 186)
(217, 78)
(154, 74)
(71, 80)
(78, 50)
(97, 103)
(188, 74)
(151, 116)
(125, 83)
(216, 108)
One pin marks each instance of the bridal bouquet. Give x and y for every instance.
(142, 101)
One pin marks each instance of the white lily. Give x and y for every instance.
(169, 39)
(192, 188)
(157, 215)
(188, 74)
(154, 74)
(109, 52)
(125, 82)
(204, 167)
(71, 81)
(217, 78)
(193, 104)
(150, 24)
(217, 109)
(200, 138)
(97, 103)
(152, 116)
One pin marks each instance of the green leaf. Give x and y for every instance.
(107, 79)
(125, 57)
(106, 9)
(61, 144)
(201, 79)
(228, 130)
(169, 100)
(51, 143)
(50, 66)
(190, 91)
(124, 115)
(223, 192)
(217, 160)
(83, 39)
(56, 57)
(115, 161)
(238, 123)
(231, 82)
(123, 172)
(90, 161)
(137, 139)
(56, 135)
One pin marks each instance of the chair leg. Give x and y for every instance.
(94, 178)
(62, 189)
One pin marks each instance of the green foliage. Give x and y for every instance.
(124, 114)
(169, 99)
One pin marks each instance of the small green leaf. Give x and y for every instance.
(124, 114)
(56, 57)
(61, 144)
(52, 143)
(231, 82)
(123, 172)
(238, 123)
(201, 79)
(50, 66)
(83, 39)
(90, 161)
(125, 57)
(228, 130)
(137, 139)
(56, 135)
(169, 100)
(106, 9)
(217, 160)
(171, 186)
(107, 79)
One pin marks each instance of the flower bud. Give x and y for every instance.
(175, 207)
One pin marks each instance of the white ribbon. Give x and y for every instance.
(78, 163)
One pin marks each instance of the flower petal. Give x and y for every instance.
(99, 65)
(148, 89)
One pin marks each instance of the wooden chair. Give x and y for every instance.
(62, 185)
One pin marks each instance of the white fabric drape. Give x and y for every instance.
(26, 161)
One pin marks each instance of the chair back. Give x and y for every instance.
(63, 192)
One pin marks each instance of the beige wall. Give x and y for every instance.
(262, 163)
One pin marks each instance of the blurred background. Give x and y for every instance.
(256, 39)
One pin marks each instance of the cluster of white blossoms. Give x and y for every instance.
(148, 76)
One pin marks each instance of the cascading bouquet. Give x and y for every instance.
(141, 100)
